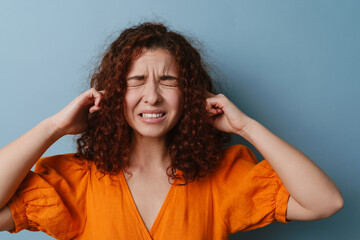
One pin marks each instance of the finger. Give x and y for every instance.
(219, 110)
(212, 111)
(210, 103)
(97, 95)
(94, 109)
(215, 105)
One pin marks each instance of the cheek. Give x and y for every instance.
(128, 105)
(130, 100)
(178, 101)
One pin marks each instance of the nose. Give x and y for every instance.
(152, 93)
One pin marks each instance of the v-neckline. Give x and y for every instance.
(138, 215)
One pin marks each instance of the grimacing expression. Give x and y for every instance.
(153, 101)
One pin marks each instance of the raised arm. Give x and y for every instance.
(18, 157)
(313, 195)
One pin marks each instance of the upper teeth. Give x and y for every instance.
(152, 115)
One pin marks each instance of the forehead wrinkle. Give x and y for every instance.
(146, 64)
(159, 70)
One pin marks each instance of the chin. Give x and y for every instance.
(150, 134)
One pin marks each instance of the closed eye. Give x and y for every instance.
(169, 81)
(166, 80)
(135, 81)
(166, 77)
(138, 77)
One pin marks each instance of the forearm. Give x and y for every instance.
(302, 178)
(18, 157)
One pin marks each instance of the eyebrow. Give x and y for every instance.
(140, 77)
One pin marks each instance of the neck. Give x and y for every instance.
(149, 154)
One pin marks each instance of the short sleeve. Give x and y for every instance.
(52, 199)
(247, 194)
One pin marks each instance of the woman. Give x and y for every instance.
(151, 162)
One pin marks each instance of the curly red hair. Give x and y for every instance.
(195, 147)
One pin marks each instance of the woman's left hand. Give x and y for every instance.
(224, 115)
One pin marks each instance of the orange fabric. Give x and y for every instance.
(68, 198)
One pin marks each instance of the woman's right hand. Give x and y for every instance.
(15, 164)
(73, 119)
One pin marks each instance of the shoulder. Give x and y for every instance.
(238, 160)
(238, 153)
(62, 162)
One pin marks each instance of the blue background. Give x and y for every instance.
(291, 65)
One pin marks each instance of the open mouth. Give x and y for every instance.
(152, 115)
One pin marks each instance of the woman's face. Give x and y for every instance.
(153, 101)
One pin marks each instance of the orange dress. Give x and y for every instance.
(68, 198)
